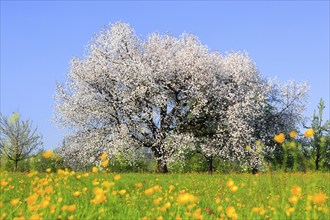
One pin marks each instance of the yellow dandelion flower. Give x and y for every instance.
(308, 208)
(76, 193)
(70, 217)
(319, 198)
(160, 218)
(309, 133)
(52, 209)
(162, 209)
(4, 183)
(138, 185)
(95, 169)
(157, 188)
(48, 154)
(289, 211)
(167, 205)
(104, 156)
(157, 201)
(177, 217)
(44, 204)
(293, 200)
(255, 210)
(99, 195)
(149, 191)
(64, 208)
(186, 197)
(98, 199)
(197, 214)
(219, 208)
(230, 183)
(49, 189)
(231, 212)
(279, 138)
(234, 188)
(262, 211)
(3, 216)
(32, 199)
(296, 190)
(14, 202)
(122, 192)
(248, 148)
(71, 208)
(48, 170)
(60, 171)
(117, 177)
(95, 182)
(107, 184)
(105, 163)
(293, 134)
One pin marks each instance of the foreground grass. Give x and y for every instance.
(69, 195)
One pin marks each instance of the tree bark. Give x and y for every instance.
(15, 165)
(161, 167)
(317, 161)
(254, 170)
(209, 161)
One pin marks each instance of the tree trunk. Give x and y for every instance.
(161, 167)
(15, 165)
(255, 170)
(317, 161)
(209, 161)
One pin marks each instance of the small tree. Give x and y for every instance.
(18, 139)
(320, 144)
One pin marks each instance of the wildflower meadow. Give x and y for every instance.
(101, 195)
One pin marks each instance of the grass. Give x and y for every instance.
(69, 195)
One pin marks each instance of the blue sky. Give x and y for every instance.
(289, 40)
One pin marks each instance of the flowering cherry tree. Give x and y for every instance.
(126, 94)
(165, 94)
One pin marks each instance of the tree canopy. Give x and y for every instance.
(18, 138)
(165, 94)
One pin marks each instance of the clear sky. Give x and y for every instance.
(287, 40)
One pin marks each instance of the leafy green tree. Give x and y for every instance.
(18, 139)
(320, 143)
